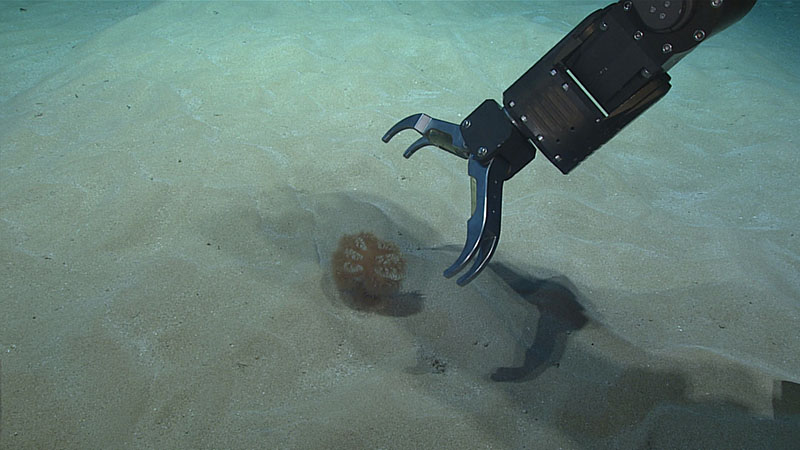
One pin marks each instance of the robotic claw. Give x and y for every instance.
(598, 78)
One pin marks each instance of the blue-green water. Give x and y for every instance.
(174, 177)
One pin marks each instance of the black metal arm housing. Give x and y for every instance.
(597, 79)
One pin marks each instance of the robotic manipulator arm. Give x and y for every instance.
(598, 78)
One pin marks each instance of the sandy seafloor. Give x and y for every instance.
(175, 176)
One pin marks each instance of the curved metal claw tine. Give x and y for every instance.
(418, 144)
(476, 221)
(445, 135)
(483, 227)
(485, 253)
(405, 124)
(474, 231)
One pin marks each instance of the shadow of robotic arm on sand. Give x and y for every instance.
(560, 313)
